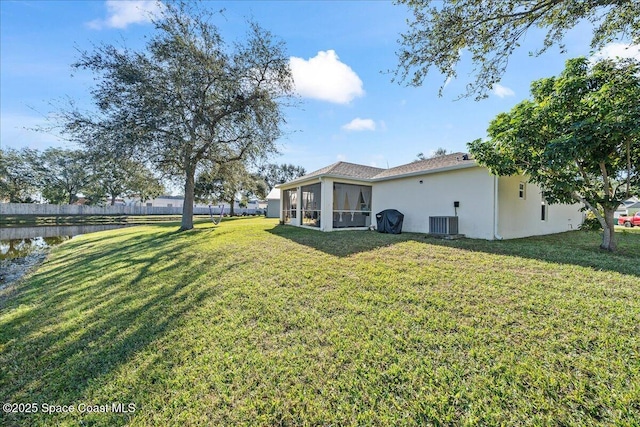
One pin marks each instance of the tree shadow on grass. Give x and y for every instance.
(62, 334)
(573, 248)
(339, 243)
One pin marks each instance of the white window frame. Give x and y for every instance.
(522, 190)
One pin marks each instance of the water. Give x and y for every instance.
(23, 248)
(14, 233)
(20, 248)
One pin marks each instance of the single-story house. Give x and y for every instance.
(168, 201)
(451, 188)
(628, 207)
(273, 203)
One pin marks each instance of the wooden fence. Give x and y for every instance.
(35, 209)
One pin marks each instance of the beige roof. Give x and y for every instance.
(436, 163)
(345, 169)
(369, 173)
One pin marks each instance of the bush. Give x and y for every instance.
(590, 223)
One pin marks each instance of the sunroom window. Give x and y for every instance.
(311, 205)
(289, 205)
(351, 205)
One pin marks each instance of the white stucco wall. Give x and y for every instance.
(521, 217)
(326, 217)
(472, 187)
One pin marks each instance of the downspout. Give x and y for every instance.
(496, 206)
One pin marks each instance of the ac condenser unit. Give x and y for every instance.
(443, 225)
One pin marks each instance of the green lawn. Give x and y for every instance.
(250, 323)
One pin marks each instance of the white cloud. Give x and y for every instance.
(341, 157)
(122, 13)
(324, 77)
(618, 50)
(502, 91)
(359, 124)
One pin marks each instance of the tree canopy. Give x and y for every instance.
(491, 30)
(578, 138)
(118, 177)
(18, 179)
(439, 152)
(274, 174)
(228, 181)
(61, 174)
(189, 101)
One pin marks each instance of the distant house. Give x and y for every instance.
(164, 201)
(273, 203)
(347, 196)
(177, 202)
(169, 204)
(628, 207)
(633, 208)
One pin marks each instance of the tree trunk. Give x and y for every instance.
(187, 208)
(608, 235)
(113, 200)
(606, 221)
(232, 203)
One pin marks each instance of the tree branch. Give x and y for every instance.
(546, 5)
(605, 179)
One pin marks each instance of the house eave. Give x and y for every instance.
(467, 164)
(317, 178)
(298, 182)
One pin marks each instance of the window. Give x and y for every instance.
(169, 205)
(351, 205)
(522, 190)
(543, 210)
(149, 205)
(311, 205)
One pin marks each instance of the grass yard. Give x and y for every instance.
(250, 323)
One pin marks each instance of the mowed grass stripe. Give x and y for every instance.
(250, 323)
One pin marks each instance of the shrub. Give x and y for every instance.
(590, 223)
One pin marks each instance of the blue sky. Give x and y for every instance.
(340, 54)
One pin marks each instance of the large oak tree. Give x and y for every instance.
(578, 138)
(491, 30)
(188, 101)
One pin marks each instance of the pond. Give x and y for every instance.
(23, 248)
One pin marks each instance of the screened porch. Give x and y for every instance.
(327, 205)
(351, 205)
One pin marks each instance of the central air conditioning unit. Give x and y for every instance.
(443, 225)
